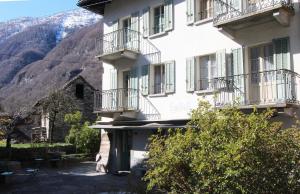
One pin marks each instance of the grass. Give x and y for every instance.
(35, 145)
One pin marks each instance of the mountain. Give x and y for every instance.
(40, 55)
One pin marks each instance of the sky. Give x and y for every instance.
(12, 9)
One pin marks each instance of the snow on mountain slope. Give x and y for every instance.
(66, 22)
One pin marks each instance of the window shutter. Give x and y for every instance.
(113, 79)
(134, 34)
(112, 98)
(282, 61)
(190, 12)
(135, 21)
(133, 89)
(282, 53)
(116, 36)
(239, 77)
(190, 74)
(170, 76)
(145, 80)
(168, 15)
(146, 21)
(221, 63)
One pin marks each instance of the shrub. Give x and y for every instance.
(226, 151)
(85, 139)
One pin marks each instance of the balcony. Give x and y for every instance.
(275, 88)
(109, 102)
(126, 45)
(251, 12)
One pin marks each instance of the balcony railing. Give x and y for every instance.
(275, 87)
(127, 40)
(116, 100)
(225, 11)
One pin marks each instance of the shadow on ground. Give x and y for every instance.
(81, 178)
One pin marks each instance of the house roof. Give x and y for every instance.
(96, 6)
(76, 78)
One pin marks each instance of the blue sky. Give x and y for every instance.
(11, 9)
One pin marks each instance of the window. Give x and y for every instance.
(207, 71)
(79, 91)
(204, 9)
(198, 10)
(159, 79)
(261, 59)
(126, 30)
(158, 19)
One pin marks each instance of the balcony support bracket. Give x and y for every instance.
(282, 16)
(227, 32)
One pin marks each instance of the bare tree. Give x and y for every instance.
(56, 106)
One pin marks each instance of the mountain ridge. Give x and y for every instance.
(42, 57)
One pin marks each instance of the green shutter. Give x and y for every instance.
(113, 79)
(168, 15)
(239, 77)
(112, 97)
(190, 11)
(146, 21)
(133, 89)
(190, 74)
(282, 53)
(145, 80)
(134, 34)
(221, 63)
(170, 76)
(282, 61)
(116, 36)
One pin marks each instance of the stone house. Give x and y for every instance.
(81, 93)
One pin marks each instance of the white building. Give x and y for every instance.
(161, 56)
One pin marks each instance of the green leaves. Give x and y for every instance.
(226, 151)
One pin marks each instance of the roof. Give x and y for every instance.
(142, 125)
(150, 126)
(96, 6)
(76, 78)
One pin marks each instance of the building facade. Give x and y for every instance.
(161, 56)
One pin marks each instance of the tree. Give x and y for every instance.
(226, 151)
(8, 127)
(56, 106)
(84, 138)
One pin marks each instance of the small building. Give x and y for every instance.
(81, 93)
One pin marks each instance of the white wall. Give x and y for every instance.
(187, 41)
(139, 146)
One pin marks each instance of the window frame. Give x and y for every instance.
(198, 9)
(210, 77)
(161, 19)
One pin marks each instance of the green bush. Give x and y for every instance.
(85, 139)
(226, 151)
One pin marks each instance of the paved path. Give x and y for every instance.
(81, 178)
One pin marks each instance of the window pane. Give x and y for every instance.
(158, 78)
(204, 73)
(158, 19)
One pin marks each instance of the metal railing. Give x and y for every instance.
(127, 39)
(258, 88)
(116, 100)
(224, 10)
(119, 100)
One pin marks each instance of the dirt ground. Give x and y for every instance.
(80, 178)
